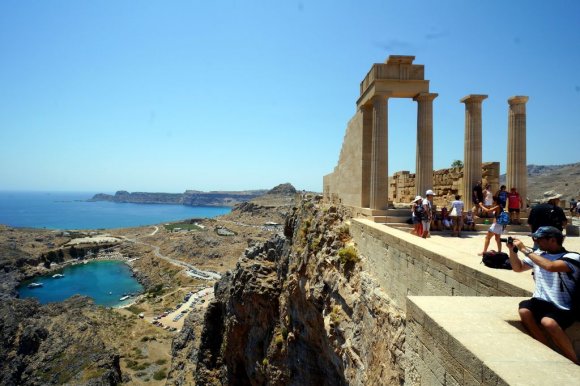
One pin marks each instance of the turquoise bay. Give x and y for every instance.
(104, 281)
(70, 210)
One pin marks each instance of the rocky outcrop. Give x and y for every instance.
(190, 197)
(298, 311)
(54, 344)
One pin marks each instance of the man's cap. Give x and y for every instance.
(417, 198)
(547, 231)
(429, 193)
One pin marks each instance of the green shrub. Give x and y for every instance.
(348, 256)
(279, 341)
(161, 362)
(159, 375)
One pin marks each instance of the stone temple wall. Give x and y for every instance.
(446, 184)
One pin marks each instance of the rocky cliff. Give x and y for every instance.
(297, 310)
(190, 197)
(55, 344)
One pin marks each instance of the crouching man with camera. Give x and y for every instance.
(556, 272)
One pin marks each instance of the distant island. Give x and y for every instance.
(189, 198)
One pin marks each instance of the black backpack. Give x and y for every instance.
(498, 260)
(575, 293)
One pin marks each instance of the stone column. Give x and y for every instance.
(379, 168)
(424, 160)
(472, 146)
(367, 145)
(517, 170)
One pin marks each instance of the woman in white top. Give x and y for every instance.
(457, 215)
(487, 196)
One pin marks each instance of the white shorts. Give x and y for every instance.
(496, 228)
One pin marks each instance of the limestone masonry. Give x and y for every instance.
(360, 179)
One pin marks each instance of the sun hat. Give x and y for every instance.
(429, 192)
(417, 198)
(553, 197)
(547, 231)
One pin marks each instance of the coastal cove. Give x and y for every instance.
(71, 210)
(106, 282)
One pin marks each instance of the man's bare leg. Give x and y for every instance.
(560, 338)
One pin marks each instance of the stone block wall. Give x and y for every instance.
(402, 268)
(446, 183)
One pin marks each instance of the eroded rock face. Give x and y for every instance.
(53, 344)
(298, 311)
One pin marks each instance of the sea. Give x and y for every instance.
(71, 210)
(104, 281)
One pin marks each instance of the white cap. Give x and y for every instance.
(429, 193)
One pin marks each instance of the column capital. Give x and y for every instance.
(425, 97)
(517, 99)
(473, 98)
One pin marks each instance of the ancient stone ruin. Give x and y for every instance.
(360, 179)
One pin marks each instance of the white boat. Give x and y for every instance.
(57, 276)
(125, 297)
(35, 285)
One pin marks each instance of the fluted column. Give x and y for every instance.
(517, 172)
(472, 146)
(379, 168)
(367, 145)
(424, 160)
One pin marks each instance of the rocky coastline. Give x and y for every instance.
(188, 198)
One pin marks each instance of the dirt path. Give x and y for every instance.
(191, 269)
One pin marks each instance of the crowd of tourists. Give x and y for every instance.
(555, 303)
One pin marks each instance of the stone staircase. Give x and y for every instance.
(397, 218)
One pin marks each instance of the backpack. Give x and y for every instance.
(503, 218)
(575, 294)
(498, 260)
(420, 212)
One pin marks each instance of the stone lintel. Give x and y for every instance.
(471, 98)
(425, 96)
(517, 99)
(400, 59)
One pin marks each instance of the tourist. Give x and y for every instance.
(477, 197)
(428, 216)
(417, 215)
(487, 196)
(445, 219)
(548, 214)
(556, 272)
(457, 215)
(514, 206)
(502, 196)
(496, 229)
(469, 222)
(573, 206)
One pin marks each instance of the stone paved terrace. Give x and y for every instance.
(478, 340)
(470, 309)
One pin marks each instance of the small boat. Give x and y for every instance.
(125, 297)
(34, 285)
(57, 276)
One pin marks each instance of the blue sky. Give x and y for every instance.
(229, 95)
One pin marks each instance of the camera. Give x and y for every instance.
(510, 240)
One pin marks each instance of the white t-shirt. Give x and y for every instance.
(548, 283)
(458, 205)
(429, 207)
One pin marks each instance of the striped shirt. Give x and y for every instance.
(548, 283)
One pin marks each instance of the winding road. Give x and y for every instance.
(191, 269)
